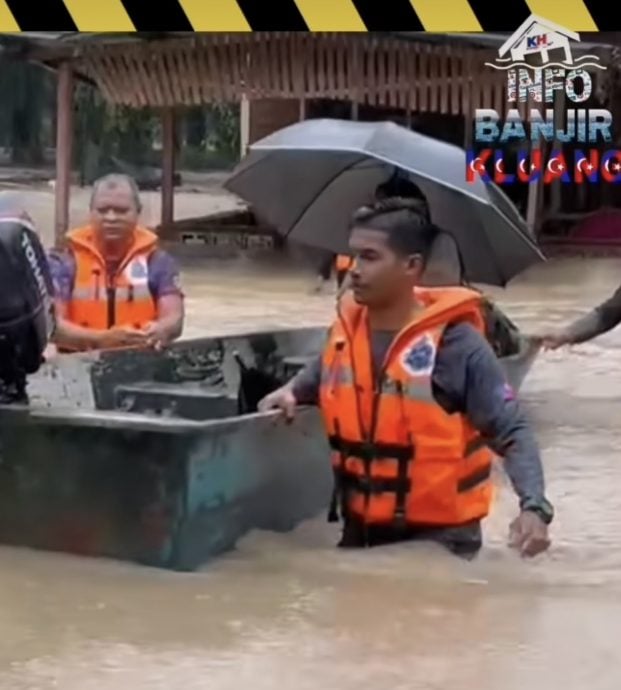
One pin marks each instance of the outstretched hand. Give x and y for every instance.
(552, 341)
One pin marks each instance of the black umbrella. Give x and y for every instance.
(307, 179)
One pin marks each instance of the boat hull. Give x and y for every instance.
(148, 484)
(160, 497)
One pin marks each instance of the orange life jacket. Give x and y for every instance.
(101, 301)
(398, 457)
(343, 262)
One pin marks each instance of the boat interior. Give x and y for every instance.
(195, 380)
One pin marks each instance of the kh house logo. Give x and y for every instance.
(540, 66)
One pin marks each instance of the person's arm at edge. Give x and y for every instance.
(305, 384)
(170, 316)
(600, 320)
(169, 297)
(302, 389)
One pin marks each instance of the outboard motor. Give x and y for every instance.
(27, 317)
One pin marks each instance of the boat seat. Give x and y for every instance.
(184, 400)
(296, 363)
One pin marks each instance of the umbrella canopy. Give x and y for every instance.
(307, 179)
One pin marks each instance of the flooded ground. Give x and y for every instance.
(290, 611)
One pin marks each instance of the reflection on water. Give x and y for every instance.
(291, 611)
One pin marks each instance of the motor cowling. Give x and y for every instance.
(27, 320)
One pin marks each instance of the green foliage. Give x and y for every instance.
(224, 132)
(207, 136)
(26, 110)
(116, 130)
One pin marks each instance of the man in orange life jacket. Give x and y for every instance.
(343, 264)
(114, 286)
(413, 399)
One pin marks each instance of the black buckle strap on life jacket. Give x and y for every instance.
(474, 445)
(478, 476)
(365, 450)
(333, 510)
(338, 499)
(474, 479)
(368, 485)
(404, 485)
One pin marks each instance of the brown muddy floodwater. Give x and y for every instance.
(290, 611)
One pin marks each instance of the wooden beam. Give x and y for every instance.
(64, 141)
(168, 165)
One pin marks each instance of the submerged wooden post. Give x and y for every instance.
(168, 166)
(64, 142)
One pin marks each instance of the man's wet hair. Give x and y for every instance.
(405, 222)
(114, 180)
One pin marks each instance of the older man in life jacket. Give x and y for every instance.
(115, 287)
(414, 401)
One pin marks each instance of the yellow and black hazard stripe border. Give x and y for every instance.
(301, 15)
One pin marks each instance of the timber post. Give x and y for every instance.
(64, 149)
(168, 166)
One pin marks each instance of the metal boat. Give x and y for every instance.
(160, 457)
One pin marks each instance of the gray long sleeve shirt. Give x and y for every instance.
(599, 320)
(468, 379)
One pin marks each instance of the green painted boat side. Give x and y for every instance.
(142, 456)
